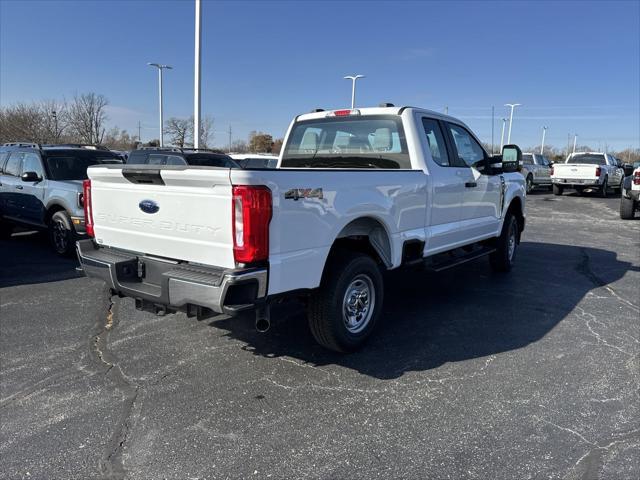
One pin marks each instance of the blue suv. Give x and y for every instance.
(41, 187)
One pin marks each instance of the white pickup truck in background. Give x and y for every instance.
(587, 171)
(356, 192)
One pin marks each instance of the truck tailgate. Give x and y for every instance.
(171, 212)
(575, 171)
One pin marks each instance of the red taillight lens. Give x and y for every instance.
(342, 113)
(598, 171)
(551, 171)
(88, 207)
(636, 178)
(251, 210)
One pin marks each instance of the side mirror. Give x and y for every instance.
(511, 158)
(628, 169)
(30, 177)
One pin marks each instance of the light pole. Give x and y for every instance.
(160, 67)
(196, 81)
(353, 79)
(575, 139)
(544, 131)
(512, 105)
(504, 120)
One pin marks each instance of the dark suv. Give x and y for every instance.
(180, 156)
(41, 187)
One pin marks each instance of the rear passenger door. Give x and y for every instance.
(480, 211)
(12, 186)
(447, 185)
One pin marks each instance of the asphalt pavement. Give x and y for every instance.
(471, 375)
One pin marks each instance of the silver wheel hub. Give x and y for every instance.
(512, 242)
(358, 303)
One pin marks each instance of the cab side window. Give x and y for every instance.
(32, 163)
(435, 141)
(469, 150)
(137, 157)
(13, 164)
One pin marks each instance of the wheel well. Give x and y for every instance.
(366, 235)
(516, 209)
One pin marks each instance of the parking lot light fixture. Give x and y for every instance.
(353, 79)
(544, 132)
(160, 67)
(513, 106)
(504, 121)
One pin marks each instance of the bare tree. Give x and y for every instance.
(178, 130)
(87, 117)
(239, 146)
(206, 131)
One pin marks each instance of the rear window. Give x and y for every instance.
(588, 159)
(527, 159)
(72, 165)
(374, 142)
(210, 160)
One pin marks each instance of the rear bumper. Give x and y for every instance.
(576, 182)
(164, 284)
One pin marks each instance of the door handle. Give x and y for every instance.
(470, 184)
(19, 187)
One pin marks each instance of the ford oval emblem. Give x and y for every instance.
(148, 206)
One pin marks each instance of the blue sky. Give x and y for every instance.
(575, 66)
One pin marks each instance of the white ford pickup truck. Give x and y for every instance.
(588, 170)
(356, 192)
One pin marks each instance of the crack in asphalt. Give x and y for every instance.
(112, 466)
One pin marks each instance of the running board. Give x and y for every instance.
(454, 261)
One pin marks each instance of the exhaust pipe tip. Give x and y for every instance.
(263, 324)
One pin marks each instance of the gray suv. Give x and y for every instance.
(41, 187)
(536, 170)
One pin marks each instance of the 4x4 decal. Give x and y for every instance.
(298, 193)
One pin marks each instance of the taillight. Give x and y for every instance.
(636, 178)
(251, 210)
(598, 171)
(88, 207)
(551, 171)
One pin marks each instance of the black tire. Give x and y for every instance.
(6, 229)
(627, 207)
(557, 189)
(504, 257)
(620, 187)
(605, 188)
(328, 305)
(529, 183)
(62, 236)
(580, 191)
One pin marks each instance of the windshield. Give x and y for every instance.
(375, 141)
(73, 165)
(588, 159)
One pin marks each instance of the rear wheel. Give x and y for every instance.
(503, 258)
(605, 188)
(557, 189)
(343, 312)
(61, 234)
(580, 191)
(627, 207)
(529, 183)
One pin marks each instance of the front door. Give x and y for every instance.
(32, 206)
(481, 199)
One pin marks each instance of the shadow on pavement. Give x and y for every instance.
(468, 312)
(26, 258)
